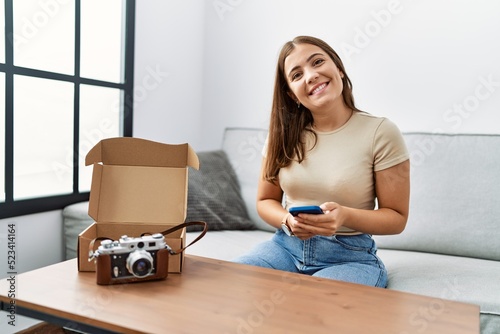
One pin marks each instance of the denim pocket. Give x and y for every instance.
(361, 242)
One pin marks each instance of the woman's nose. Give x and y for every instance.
(311, 76)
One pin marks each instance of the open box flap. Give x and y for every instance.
(130, 151)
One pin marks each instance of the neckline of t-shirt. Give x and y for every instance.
(337, 129)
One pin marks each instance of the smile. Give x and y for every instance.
(318, 88)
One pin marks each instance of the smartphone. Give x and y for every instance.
(311, 209)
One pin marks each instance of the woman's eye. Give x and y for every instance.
(296, 75)
(318, 62)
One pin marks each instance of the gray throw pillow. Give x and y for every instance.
(214, 195)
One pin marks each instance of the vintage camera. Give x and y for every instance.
(132, 259)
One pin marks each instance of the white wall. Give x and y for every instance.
(38, 243)
(169, 70)
(37, 238)
(425, 64)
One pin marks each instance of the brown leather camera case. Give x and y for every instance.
(104, 275)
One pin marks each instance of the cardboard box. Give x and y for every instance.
(137, 186)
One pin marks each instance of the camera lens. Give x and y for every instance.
(141, 267)
(140, 263)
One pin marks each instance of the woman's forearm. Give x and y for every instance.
(271, 211)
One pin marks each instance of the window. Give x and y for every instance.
(66, 81)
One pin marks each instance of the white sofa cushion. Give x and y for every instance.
(455, 196)
(226, 245)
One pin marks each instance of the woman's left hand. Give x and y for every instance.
(325, 224)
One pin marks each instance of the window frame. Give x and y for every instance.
(11, 207)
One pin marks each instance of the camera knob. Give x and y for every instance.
(106, 243)
(157, 236)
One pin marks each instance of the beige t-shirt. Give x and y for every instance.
(340, 167)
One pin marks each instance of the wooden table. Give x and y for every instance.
(213, 296)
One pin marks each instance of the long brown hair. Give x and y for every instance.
(288, 120)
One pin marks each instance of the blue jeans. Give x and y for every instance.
(344, 258)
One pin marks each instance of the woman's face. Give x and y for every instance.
(313, 78)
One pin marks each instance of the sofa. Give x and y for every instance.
(450, 248)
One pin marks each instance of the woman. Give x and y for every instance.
(321, 150)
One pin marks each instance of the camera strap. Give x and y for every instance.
(178, 227)
(166, 232)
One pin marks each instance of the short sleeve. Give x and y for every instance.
(389, 147)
